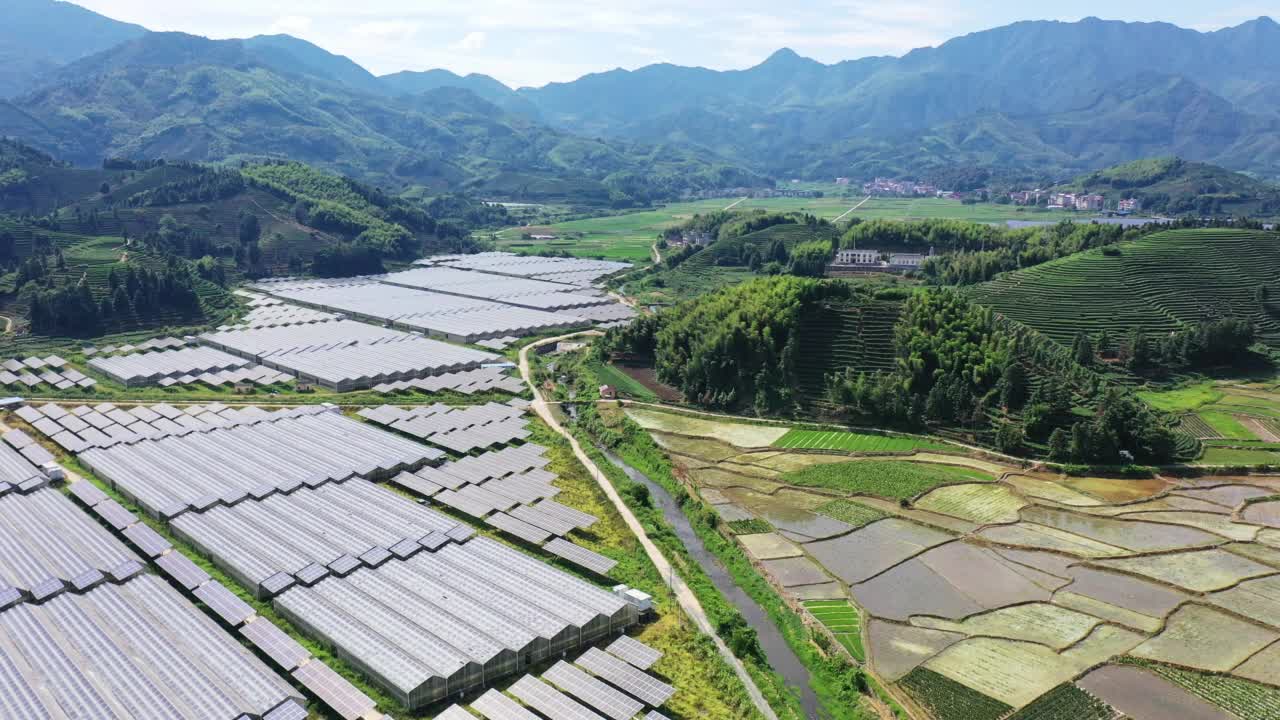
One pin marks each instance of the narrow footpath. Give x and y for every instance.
(685, 596)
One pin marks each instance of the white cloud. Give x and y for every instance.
(291, 25)
(386, 30)
(471, 42)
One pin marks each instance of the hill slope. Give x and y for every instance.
(1157, 284)
(1041, 96)
(38, 36)
(1176, 187)
(184, 97)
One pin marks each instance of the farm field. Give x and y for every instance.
(995, 594)
(1238, 422)
(1145, 284)
(630, 236)
(854, 442)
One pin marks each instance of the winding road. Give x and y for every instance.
(684, 595)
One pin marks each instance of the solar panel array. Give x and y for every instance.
(151, 368)
(265, 454)
(521, 292)
(577, 271)
(635, 652)
(162, 343)
(345, 355)
(34, 371)
(593, 692)
(88, 635)
(458, 429)
(104, 425)
(550, 702)
(20, 459)
(499, 344)
(580, 556)
(266, 311)
(637, 683)
(467, 382)
(444, 620)
(330, 526)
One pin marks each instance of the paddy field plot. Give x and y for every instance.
(1142, 695)
(1043, 537)
(1066, 702)
(1134, 535)
(1263, 513)
(875, 548)
(979, 503)
(896, 650)
(947, 699)
(1245, 698)
(1049, 488)
(1262, 667)
(1013, 672)
(855, 514)
(738, 434)
(893, 479)
(1197, 571)
(1218, 524)
(855, 442)
(769, 546)
(1228, 496)
(1049, 625)
(1201, 637)
(1257, 599)
(1117, 490)
(1135, 594)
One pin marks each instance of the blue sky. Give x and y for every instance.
(532, 43)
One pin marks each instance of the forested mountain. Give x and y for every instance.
(38, 36)
(184, 97)
(1173, 186)
(1034, 96)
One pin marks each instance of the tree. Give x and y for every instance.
(1059, 446)
(1013, 386)
(1079, 448)
(250, 228)
(1082, 349)
(1009, 437)
(811, 259)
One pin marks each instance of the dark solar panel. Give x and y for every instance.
(580, 556)
(376, 556)
(87, 580)
(434, 540)
(633, 680)
(593, 692)
(635, 652)
(283, 650)
(341, 696)
(405, 549)
(518, 528)
(493, 705)
(312, 574)
(86, 492)
(184, 572)
(30, 485)
(344, 566)
(277, 583)
(224, 603)
(47, 588)
(289, 710)
(234, 496)
(9, 597)
(5, 487)
(150, 542)
(549, 701)
(125, 570)
(204, 502)
(115, 514)
(461, 533)
(262, 491)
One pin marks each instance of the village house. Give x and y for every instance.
(1129, 205)
(855, 256)
(906, 260)
(608, 392)
(1089, 202)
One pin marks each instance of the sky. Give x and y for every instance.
(533, 43)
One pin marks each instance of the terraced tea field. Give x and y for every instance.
(1238, 423)
(1151, 284)
(1010, 594)
(838, 337)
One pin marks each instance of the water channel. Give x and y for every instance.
(776, 649)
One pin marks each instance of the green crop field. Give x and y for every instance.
(946, 699)
(853, 513)
(894, 479)
(1226, 425)
(854, 442)
(1066, 702)
(1244, 698)
(843, 620)
(1156, 284)
(630, 236)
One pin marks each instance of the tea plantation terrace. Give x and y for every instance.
(89, 634)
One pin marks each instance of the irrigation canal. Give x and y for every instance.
(776, 649)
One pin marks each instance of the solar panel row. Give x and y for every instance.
(150, 368)
(198, 470)
(467, 382)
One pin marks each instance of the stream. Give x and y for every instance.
(776, 649)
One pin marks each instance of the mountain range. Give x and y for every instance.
(1033, 100)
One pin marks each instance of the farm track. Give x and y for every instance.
(685, 596)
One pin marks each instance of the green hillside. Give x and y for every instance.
(839, 336)
(724, 262)
(1174, 186)
(1156, 284)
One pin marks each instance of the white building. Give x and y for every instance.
(854, 256)
(913, 260)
